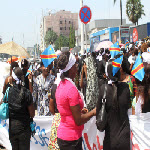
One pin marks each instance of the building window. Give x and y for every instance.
(61, 28)
(65, 21)
(60, 22)
(69, 28)
(65, 28)
(69, 22)
(49, 29)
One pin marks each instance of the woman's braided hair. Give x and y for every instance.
(62, 63)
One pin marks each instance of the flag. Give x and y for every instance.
(138, 68)
(48, 56)
(126, 43)
(136, 43)
(114, 49)
(29, 70)
(117, 64)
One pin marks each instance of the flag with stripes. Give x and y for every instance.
(114, 49)
(29, 70)
(126, 43)
(48, 56)
(138, 68)
(117, 64)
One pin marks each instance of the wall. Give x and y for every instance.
(142, 31)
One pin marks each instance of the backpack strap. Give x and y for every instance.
(5, 99)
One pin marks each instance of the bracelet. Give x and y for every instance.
(30, 80)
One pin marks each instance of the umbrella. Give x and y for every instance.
(12, 48)
(76, 49)
(121, 45)
(104, 44)
(14, 58)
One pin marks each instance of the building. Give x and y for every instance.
(60, 22)
(100, 30)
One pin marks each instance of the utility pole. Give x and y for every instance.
(82, 32)
(43, 31)
(121, 10)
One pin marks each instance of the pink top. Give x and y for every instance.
(67, 95)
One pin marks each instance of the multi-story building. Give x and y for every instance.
(60, 22)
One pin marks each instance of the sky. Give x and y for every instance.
(20, 19)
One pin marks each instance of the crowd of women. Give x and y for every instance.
(72, 88)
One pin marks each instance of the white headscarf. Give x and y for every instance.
(72, 61)
(15, 78)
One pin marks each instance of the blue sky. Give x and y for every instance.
(21, 19)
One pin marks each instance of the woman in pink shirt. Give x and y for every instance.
(70, 105)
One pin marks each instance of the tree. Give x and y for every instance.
(120, 9)
(62, 41)
(50, 37)
(134, 10)
(72, 37)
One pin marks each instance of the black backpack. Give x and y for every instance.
(16, 100)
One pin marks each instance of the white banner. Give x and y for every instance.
(92, 138)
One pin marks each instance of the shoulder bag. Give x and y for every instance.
(101, 117)
(4, 109)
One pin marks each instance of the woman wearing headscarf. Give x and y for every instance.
(21, 111)
(117, 129)
(70, 106)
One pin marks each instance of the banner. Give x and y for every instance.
(92, 138)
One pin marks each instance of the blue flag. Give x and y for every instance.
(126, 43)
(138, 68)
(48, 56)
(29, 70)
(136, 43)
(117, 64)
(114, 49)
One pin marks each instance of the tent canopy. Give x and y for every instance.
(12, 48)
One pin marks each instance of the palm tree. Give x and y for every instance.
(134, 10)
(120, 9)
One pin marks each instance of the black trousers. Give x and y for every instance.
(70, 145)
(21, 141)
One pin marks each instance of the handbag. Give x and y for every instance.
(101, 116)
(4, 108)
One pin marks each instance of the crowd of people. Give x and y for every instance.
(72, 88)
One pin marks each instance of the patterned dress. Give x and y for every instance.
(41, 89)
(53, 135)
(92, 90)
